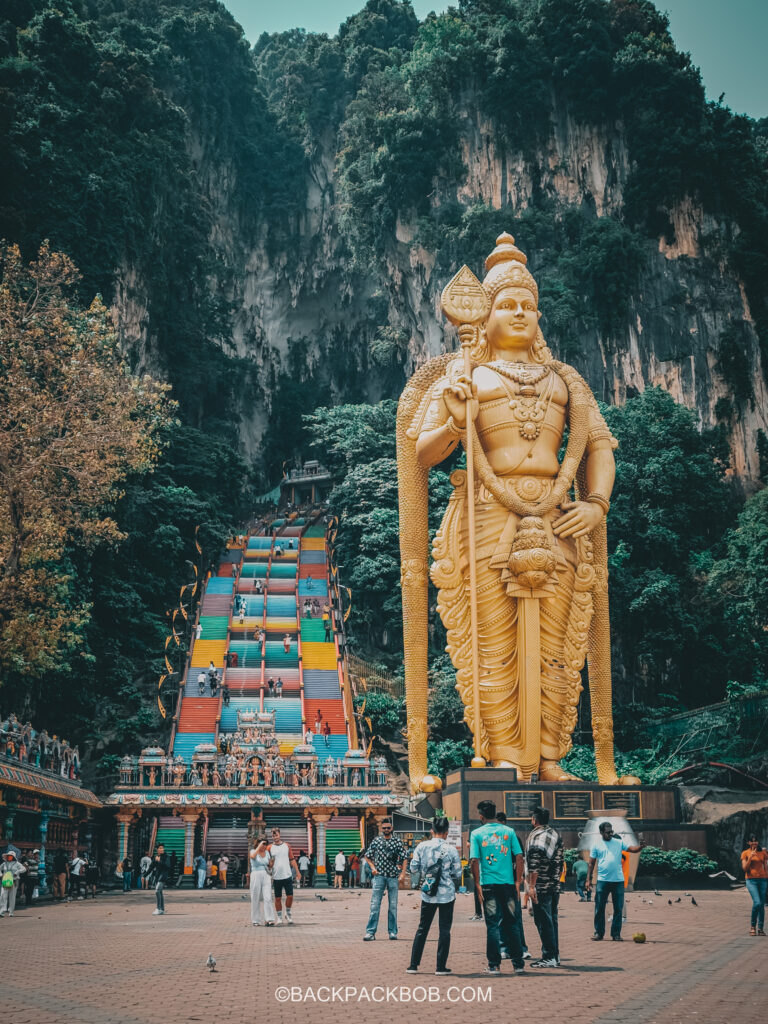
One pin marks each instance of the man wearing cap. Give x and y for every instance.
(9, 885)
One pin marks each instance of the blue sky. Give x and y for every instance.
(726, 38)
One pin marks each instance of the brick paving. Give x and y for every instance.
(112, 962)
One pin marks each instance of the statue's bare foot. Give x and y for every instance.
(550, 771)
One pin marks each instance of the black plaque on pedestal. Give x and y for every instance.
(519, 804)
(627, 800)
(573, 805)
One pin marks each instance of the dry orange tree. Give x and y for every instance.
(74, 423)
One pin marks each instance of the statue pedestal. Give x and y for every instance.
(653, 811)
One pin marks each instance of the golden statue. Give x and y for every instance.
(521, 567)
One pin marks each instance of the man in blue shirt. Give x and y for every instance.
(496, 862)
(424, 864)
(605, 854)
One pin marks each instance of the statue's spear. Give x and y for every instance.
(466, 305)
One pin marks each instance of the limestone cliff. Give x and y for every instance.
(309, 307)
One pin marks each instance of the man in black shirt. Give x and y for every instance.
(158, 874)
(386, 857)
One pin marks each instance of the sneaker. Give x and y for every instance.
(289, 917)
(270, 924)
(411, 970)
(156, 912)
(393, 938)
(527, 955)
(10, 913)
(279, 918)
(492, 970)
(369, 938)
(444, 973)
(597, 938)
(760, 931)
(476, 917)
(616, 938)
(544, 963)
(519, 970)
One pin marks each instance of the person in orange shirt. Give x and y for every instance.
(754, 861)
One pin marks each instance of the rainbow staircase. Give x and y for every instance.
(275, 576)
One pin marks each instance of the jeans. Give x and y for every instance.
(545, 916)
(583, 894)
(74, 885)
(126, 881)
(201, 878)
(616, 891)
(502, 908)
(757, 890)
(445, 920)
(159, 898)
(379, 886)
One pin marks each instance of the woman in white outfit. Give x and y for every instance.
(262, 900)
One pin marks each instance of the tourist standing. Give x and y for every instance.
(10, 874)
(327, 733)
(262, 903)
(91, 877)
(438, 868)
(60, 873)
(496, 862)
(200, 871)
(225, 695)
(279, 687)
(340, 866)
(145, 865)
(605, 862)
(580, 872)
(158, 874)
(31, 877)
(544, 860)
(127, 874)
(271, 686)
(354, 870)
(754, 862)
(304, 869)
(76, 875)
(284, 872)
(223, 868)
(386, 858)
(201, 682)
(327, 621)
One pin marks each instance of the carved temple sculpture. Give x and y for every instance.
(520, 560)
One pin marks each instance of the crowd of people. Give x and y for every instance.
(20, 742)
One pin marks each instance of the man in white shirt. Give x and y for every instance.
(340, 866)
(304, 869)
(76, 874)
(284, 871)
(144, 865)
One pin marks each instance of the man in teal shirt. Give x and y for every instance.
(496, 862)
(606, 855)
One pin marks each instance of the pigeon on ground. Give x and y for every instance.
(319, 896)
(210, 963)
(679, 899)
(657, 893)
(669, 902)
(693, 901)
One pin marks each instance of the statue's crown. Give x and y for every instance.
(506, 267)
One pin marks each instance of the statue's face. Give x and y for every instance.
(513, 320)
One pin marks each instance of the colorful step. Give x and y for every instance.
(205, 651)
(319, 656)
(214, 627)
(185, 742)
(198, 714)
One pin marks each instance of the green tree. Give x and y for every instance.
(671, 506)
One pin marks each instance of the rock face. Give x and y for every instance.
(308, 305)
(731, 814)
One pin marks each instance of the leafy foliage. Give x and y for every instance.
(387, 713)
(682, 863)
(74, 424)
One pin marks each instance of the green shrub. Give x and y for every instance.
(674, 863)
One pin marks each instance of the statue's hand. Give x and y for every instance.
(456, 396)
(578, 519)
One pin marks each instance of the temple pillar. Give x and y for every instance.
(190, 820)
(42, 883)
(123, 823)
(321, 820)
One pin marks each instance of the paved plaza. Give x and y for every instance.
(112, 962)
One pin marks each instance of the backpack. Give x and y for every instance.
(8, 879)
(432, 878)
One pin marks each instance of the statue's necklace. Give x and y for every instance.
(528, 407)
